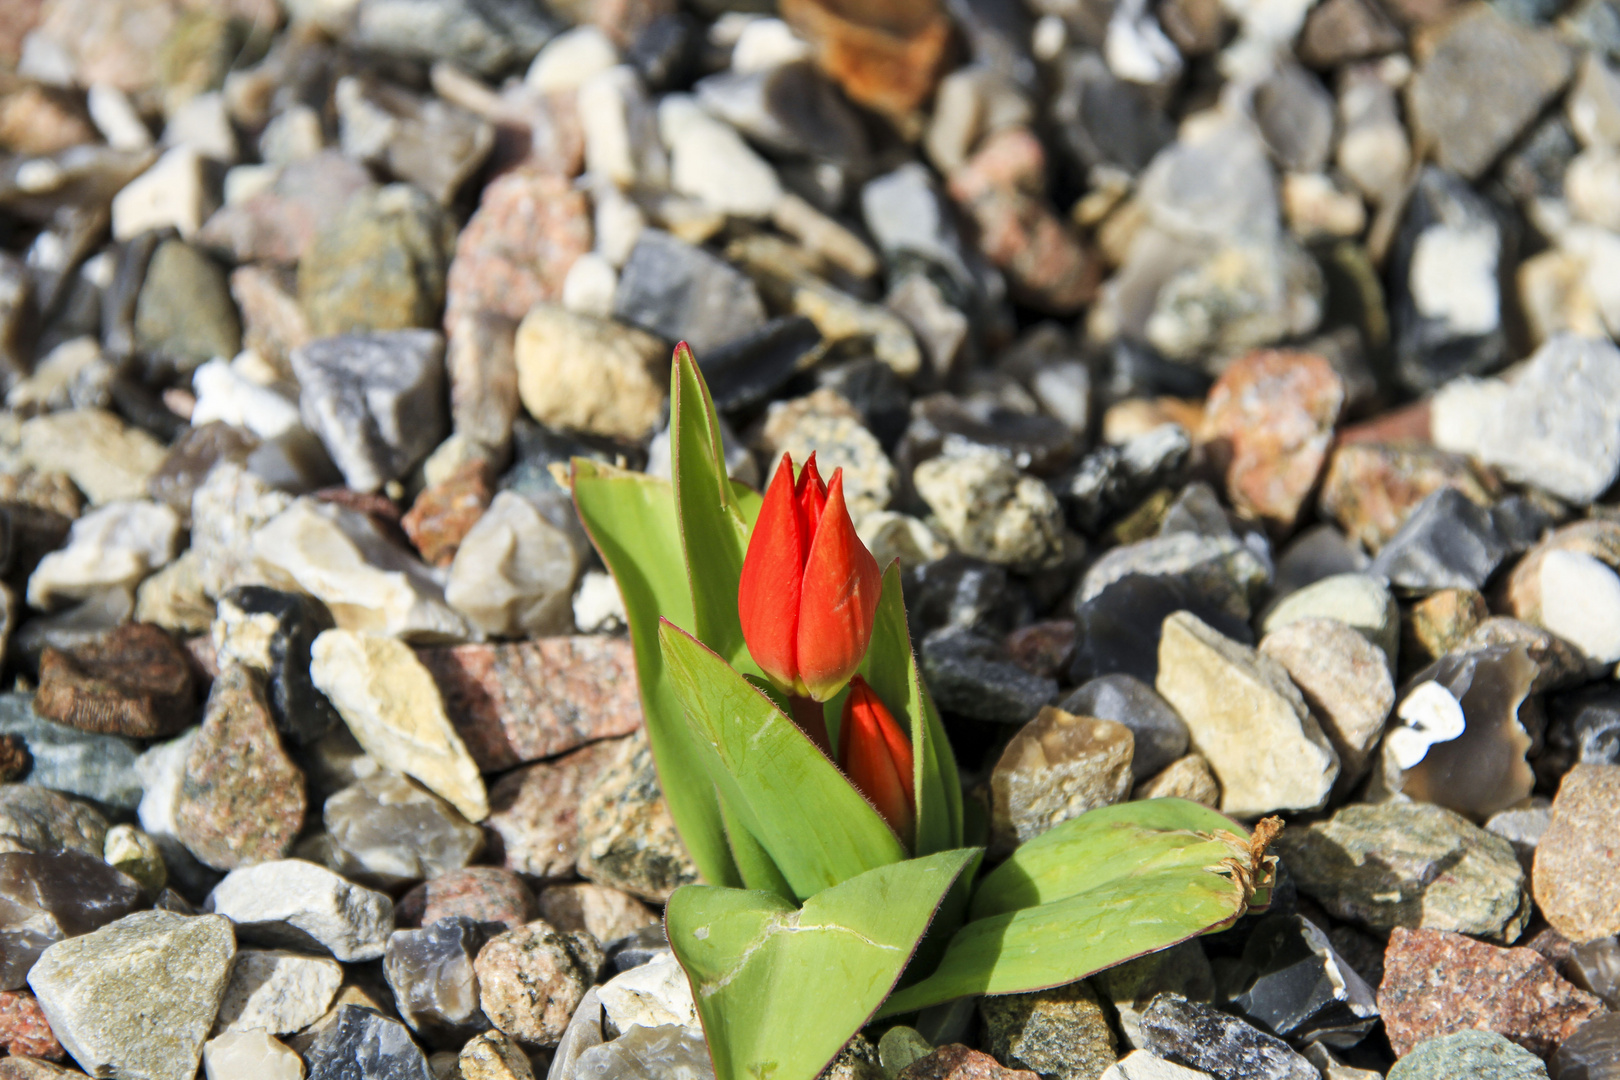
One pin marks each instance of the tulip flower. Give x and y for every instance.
(809, 588)
(876, 756)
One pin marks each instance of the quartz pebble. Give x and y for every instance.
(277, 991)
(655, 994)
(290, 903)
(249, 1053)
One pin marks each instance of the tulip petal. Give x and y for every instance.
(877, 758)
(838, 600)
(769, 589)
(810, 496)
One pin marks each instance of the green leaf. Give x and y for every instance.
(816, 827)
(754, 863)
(780, 989)
(631, 519)
(891, 669)
(1096, 847)
(1101, 888)
(714, 514)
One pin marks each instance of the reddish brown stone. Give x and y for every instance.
(518, 246)
(886, 54)
(1002, 187)
(23, 1028)
(529, 700)
(1042, 648)
(484, 893)
(136, 681)
(1371, 488)
(1577, 867)
(534, 811)
(38, 120)
(1408, 424)
(1438, 983)
(1270, 420)
(443, 514)
(956, 1062)
(17, 17)
(15, 760)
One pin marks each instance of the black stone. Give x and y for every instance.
(635, 949)
(1301, 989)
(998, 35)
(745, 373)
(877, 393)
(1118, 630)
(1036, 444)
(962, 591)
(1583, 728)
(1161, 735)
(28, 533)
(1114, 479)
(536, 448)
(118, 299)
(1428, 351)
(1103, 120)
(665, 52)
(363, 1045)
(1448, 542)
(1535, 170)
(681, 292)
(1135, 369)
(970, 675)
(1202, 1037)
(301, 712)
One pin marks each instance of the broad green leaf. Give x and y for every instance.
(754, 863)
(1098, 889)
(631, 519)
(781, 989)
(714, 514)
(891, 669)
(1095, 847)
(816, 827)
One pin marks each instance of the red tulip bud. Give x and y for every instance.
(876, 756)
(809, 588)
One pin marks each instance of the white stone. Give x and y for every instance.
(1373, 150)
(765, 44)
(621, 135)
(173, 193)
(1580, 602)
(226, 395)
(293, 135)
(598, 607)
(116, 118)
(618, 222)
(296, 903)
(162, 769)
(112, 547)
(1430, 715)
(242, 182)
(277, 991)
(203, 124)
(237, 1055)
(889, 536)
(991, 511)
(590, 286)
(370, 584)
(1136, 49)
(514, 572)
(392, 707)
(1141, 1065)
(227, 509)
(1453, 277)
(652, 995)
(710, 161)
(1592, 186)
(570, 58)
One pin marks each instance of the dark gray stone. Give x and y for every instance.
(1592, 1053)
(1448, 542)
(790, 108)
(1118, 630)
(682, 293)
(1301, 989)
(489, 36)
(746, 372)
(431, 973)
(363, 1045)
(969, 675)
(1202, 1037)
(273, 632)
(1114, 479)
(1103, 120)
(48, 897)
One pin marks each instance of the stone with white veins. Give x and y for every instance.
(137, 997)
(1580, 602)
(393, 707)
(1248, 720)
(294, 904)
(1555, 423)
(112, 547)
(377, 401)
(514, 571)
(710, 161)
(370, 583)
(277, 991)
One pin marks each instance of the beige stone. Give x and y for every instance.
(391, 704)
(105, 458)
(1346, 682)
(1246, 718)
(1057, 767)
(1187, 777)
(587, 374)
(493, 1056)
(606, 913)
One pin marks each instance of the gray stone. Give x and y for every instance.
(1132, 986)
(674, 1052)
(1301, 989)
(1448, 542)
(1061, 1033)
(682, 293)
(277, 991)
(295, 904)
(185, 315)
(1160, 736)
(137, 998)
(386, 831)
(1483, 79)
(424, 140)
(1201, 1036)
(430, 971)
(514, 571)
(1295, 116)
(1222, 567)
(360, 1044)
(1345, 680)
(1593, 1052)
(626, 837)
(489, 38)
(1554, 424)
(1409, 864)
(1469, 1055)
(34, 819)
(971, 674)
(74, 762)
(791, 108)
(375, 400)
